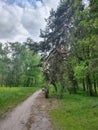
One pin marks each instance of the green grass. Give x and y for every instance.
(10, 97)
(75, 112)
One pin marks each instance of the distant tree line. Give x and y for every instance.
(18, 64)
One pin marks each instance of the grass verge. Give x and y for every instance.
(10, 97)
(75, 112)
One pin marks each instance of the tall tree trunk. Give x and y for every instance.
(54, 84)
(74, 85)
(95, 85)
(83, 82)
(89, 84)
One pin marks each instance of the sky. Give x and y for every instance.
(20, 19)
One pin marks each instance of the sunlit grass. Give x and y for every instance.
(10, 97)
(76, 112)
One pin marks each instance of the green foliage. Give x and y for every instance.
(19, 64)
(74, 27)
(80, 71)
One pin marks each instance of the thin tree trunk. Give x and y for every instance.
(83, 82)
(95, 85)
(89, 84)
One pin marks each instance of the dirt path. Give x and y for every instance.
(30, 115)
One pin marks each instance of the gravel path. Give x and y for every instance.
(29, 115)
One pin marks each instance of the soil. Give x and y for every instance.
(32, 114)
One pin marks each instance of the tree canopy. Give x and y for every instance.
(18, 64)
(72, 29)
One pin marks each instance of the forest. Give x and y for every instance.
(18, 65)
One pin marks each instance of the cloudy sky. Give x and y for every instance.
(20, 19)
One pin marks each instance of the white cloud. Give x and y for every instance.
(86, 3)
(10, 22)
(16, 23)
(51, 3)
